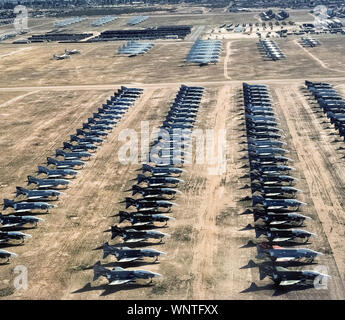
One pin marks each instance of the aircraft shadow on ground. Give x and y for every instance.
(107, 290)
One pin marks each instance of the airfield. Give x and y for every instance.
(211, 250)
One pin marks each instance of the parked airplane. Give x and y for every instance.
(132, 235)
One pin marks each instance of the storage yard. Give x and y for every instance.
(208, 233)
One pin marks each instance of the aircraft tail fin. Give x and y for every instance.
(8, 203)
(67, 145)
(31, 179)
(146, 168)
(259, 232)
(123, 216)
(51, 160)
(141, 178)
(106, 250)
(73, 137)
(265, 271)
(99, 271)
(20, 190)
(129, 202)
(135, 190)
(80, 132)
(115, 231)
(59, 152)
(41, 169)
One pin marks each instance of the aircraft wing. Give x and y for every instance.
(141, 223)
(289, 282)
(35, 197)
(285, 259)
(276, 207)
(118, 282)
(11, 225)
(281, 239)
(135, 240)
(277, 222)
(130, 259)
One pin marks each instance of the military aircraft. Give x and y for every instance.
(74, 51)
(125, 254)
(275, 191)
(285, 277)
(4, 254)
(49, 183)
(118, 275)
(276, 203)
(11, 221)
(281, 218)
(162, 171)
(7, 236)
(38, 194)
(281, 254)
(155, 192)
(66, 164)
(138, 219)
(132, 235)
(91, 133)
(98, 121)
(273, 179)
(20, 207)
(57, 173)
(86, 140)
(80, 147)
(61, 57)
(148, 205)
(102, 127)
(73, 155)
(158, 181)
(283, 235)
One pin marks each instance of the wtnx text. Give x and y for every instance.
(174, 309)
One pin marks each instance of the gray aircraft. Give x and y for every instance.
(102, 127)
(155, 192)
(132, 235)
(8, 236)
(138, 219)
(162, 171)
(80, 147)
(281, 218)
(281, 254)
(57, 173)
(118, 275)
(158, 181)
(49, 183)
(20, 207)
(267, 151)
(271, 204)
(284, 235)
(91, 133)
(285, 277)
(86, 140)
(11, 221)
(38, 194)
(73, 155)
(66, 164)
(149, 205)
(4, 254)
(125, 254)
(104, 121)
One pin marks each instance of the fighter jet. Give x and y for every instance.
(283, 235)
(275, 191)
(285, 277)
(7, 236)
(276, 203)
(280, 254)
(61, 57)
(158, 181)
(274, 179)
(73, 155)
(57, 173)
(132, 235)
(125, 254)
(281, 218)
(48, 183)
(162, 171)
(38, 194)
(102, 127)
(4, 254)
(104, 121)
(91, 133)
(149, 205)
(20, 207)
(80, 147)
(138, 219)
(118, 275)
(74, 51)
(86, 140)
(11, 221)
(66, 164)
(156, 192)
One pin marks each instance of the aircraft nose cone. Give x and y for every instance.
(157, 275)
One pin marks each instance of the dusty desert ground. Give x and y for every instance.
(211, 251)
